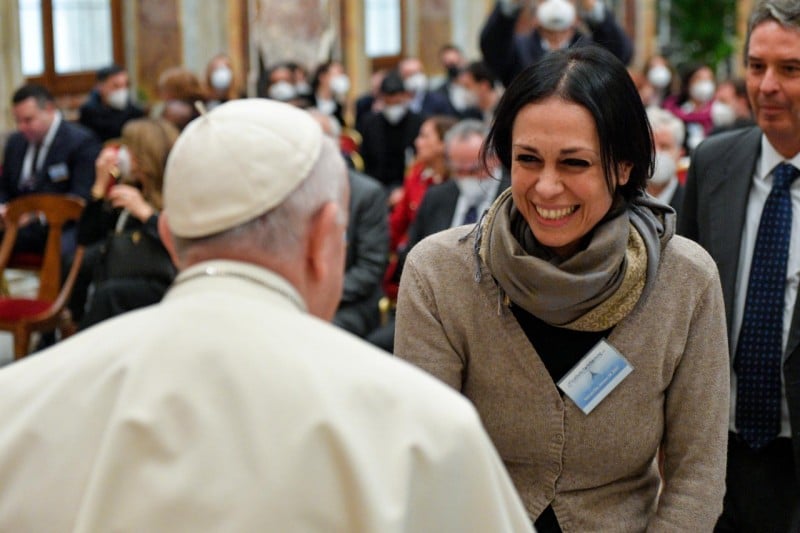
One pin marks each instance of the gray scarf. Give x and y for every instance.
(591, 290)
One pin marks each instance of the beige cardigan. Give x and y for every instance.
(599, 471)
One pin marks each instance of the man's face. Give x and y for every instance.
(33, 121)
(773, 84)
(463, 158)
(112, 83)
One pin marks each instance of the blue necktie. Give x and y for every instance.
(760, 348)
(471, 216)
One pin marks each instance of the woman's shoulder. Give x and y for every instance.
(445, 250)
(688, 259)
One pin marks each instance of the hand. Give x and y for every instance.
(105, 171)
(131, 198)
(395, 196)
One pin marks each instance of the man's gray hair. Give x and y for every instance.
(784, 12)
(661, 118)
(280, 230)
(464, 129)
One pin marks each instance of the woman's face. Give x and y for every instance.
(428, 143)
(557, 178)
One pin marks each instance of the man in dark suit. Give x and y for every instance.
(367, 247)
(46, 154)
(460, 200)
(109, 105)
(742, 204)
(469, 191)
(668, 136)
(389, 133)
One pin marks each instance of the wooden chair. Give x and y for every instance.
(48, 311)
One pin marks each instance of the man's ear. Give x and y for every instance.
(166, 238)
(323, 236)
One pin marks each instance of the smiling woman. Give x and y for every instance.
(572, 317)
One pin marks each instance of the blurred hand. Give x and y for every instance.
(105, 170)
(395, 196)
(130, 198)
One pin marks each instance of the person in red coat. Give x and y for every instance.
(428, 169)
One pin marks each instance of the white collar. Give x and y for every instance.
(48, 138)
(770, 158)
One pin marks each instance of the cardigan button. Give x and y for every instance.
(559, 438)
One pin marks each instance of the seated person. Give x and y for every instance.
(109, 105)
(45, 154)
(125, 263)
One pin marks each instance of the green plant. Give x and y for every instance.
(703, 29)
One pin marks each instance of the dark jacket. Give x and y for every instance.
(385, 145)
(105, 120)
(67, 168)
(367, 255)
(713, 214)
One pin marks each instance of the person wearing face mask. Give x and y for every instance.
(668, 137)
(423, 101)
(221, 82)
(451, 59)
(479, 81)
(693, 104)
(658, 73)
(507, 53)
(388, 134)
(125, 205)
(731, 108)
(329, 87)
(469, 190)
(109, 105)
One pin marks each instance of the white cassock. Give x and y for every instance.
(228, 408)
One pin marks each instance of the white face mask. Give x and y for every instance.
(283, 91)
(118, 99)
(340, 85)
(659, 76)
(722, 114)
(472, 188)
(461, 97)
(394, 113)
(556, 15)
(702, 91)
(124, 163)
(221, 78)
(664, 170)
(416, 83)
(302, 87)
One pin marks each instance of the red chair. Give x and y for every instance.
(48, 311)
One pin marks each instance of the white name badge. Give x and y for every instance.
(595, 376)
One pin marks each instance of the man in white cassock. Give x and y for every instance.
(233, 405)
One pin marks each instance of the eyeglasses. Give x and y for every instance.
(472, 170)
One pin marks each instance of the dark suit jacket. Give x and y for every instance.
(68, 167)
(713, 214)
(367, 255)
(384, 146)
(436, 212)
(105, 121)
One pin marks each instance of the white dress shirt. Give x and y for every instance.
(759, 191)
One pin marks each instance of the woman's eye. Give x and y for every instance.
(526, 158)
(582, 163)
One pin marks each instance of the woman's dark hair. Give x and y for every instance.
(687, 72)
(320, 71)
(442, 124)
(594, 79)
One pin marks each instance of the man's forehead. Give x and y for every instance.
(775, 40)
